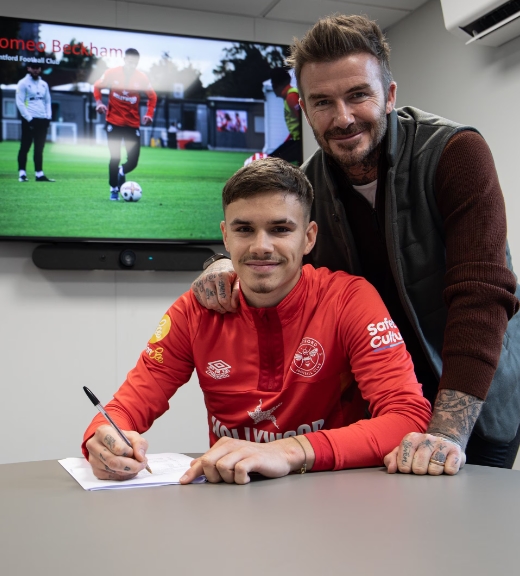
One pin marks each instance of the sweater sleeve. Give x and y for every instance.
(385, 377)
(164, 366)
(479, 288)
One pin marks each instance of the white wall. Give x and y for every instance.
(475, 85)
(60, 331)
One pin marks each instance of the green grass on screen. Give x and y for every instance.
(181, 194)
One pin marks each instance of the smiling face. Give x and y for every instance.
(267, 235)
(346, 106)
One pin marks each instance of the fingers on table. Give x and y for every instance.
(227, 461)
(428, 454)
(390, 461)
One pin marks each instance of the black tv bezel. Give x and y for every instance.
(133, 241)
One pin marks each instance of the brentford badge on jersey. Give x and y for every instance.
(309, 358)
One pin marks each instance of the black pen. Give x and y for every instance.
(97, 404)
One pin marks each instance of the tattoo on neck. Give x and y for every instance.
(365, 171)
(454, 415)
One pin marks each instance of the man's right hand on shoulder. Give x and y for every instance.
(217, 287)
(111, 458)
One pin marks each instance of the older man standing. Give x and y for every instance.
(412, 202)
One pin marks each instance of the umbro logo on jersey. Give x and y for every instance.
(218, 369)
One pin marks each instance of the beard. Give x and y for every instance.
(350, 155)
(262, 285)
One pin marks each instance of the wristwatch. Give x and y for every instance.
(214, 258)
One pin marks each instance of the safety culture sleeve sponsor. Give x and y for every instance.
(164, 366)
(384, 373)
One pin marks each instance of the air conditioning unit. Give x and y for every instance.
(488, 22)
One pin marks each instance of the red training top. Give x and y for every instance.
(311, 365)
(124, 98)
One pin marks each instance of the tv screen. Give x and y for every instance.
(87, 112)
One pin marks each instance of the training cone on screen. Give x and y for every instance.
(131, 191)
(255, 156)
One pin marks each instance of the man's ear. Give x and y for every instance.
(302, 106)
(391, 98)
(311, 233)
(224, 233)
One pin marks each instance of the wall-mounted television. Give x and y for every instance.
(203, 107)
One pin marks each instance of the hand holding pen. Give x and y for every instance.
(115, 456)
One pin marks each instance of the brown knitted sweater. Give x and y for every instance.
(479, 288)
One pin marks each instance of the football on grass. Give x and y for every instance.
(131, 191)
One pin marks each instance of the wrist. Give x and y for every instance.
(212, 259)
(300, 454)
(447, 437)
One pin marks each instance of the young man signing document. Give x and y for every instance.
(288, 380)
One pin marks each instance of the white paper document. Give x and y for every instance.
(167, 468)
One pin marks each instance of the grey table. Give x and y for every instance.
(357, 522)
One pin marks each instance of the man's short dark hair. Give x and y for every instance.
(337, 36)
(132, 52)
(269, 175)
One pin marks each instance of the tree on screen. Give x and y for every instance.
(243, 69)
(165, 74)
(74, 68)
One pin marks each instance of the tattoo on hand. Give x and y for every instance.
(406, 450)
(439, 456)
(109, 469)
(222, 288)
(209, 293)
(110, 441)
(426, 444)
(127, 469)
(454, 415)
(101, 456)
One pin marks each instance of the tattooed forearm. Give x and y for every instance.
(454, 415)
